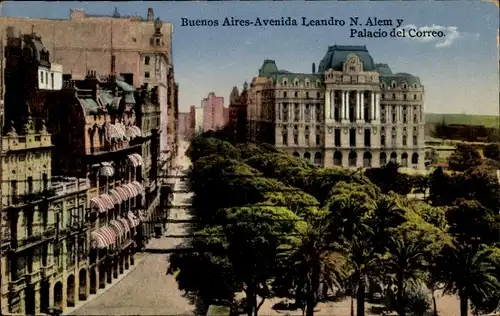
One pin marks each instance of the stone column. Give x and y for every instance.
(332, 104)
(358, 104)
(362, 106)
(347, 106)
(342, 106)
(327, 104)
(372, 108)
(377, 107)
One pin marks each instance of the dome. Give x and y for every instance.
(337, 55)
(269, 67)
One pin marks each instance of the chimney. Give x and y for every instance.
(314, 68)
(151, 15)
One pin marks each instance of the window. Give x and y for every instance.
(146, 74)
(352, 137)
(296, 94)
(405, 86)
(367, 137)
(285, 83)
(284, 94)
(383, 96)
(394, 96)
(382, 140)
(414, 97)
(285, 138)
(404, 96)
(146, 60)
(307, 94)
(295, 139)
(415, 142)
(393, 85)
(307, 139)
(30, 185)
(13, 189)
(46, 77)
(52, 80)
(382, 85)
(318, 95)
(317, 140)
(41, 76)
(337, 138)
(404, 140)
(157, 42)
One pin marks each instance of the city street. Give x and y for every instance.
(147, 290)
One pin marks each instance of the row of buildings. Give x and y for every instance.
(350, 112)
(88, 140)
(211, 115)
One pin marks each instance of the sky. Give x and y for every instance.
(459, 71)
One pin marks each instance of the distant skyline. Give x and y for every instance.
(459, 71)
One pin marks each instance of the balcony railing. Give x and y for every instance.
(18, 285)
(65, 185)
(47, 271)
(33, 277)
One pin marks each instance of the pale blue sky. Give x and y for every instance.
(460, 75)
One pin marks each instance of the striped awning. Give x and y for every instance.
(134, 220)
(99, 204)
(106, 169)
(139, 186)
(111, 132)
(107, 200)
(135, 160)
(117, 198)
(138, 131)
(131, 132)
(120, 128)
(103, 237)
(125, 224)
(117, 227)
(139, 158)
(124, 194)
(132, 190)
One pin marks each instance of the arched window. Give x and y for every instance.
(393, 84)
(414, 159)
(353, 157)
(404, 160)
(318, 158)
(394, 157)
(383, 159)
(337, 158)
(307, 156)
(367, 160)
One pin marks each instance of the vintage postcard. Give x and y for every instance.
(319, 158)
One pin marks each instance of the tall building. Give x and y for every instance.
(184, 122)
(198, 127)
(213, 112)
(44, 231)
(237, 120)
(131, 46)
(352, 112)
(192, 120)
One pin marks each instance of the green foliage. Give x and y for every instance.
(464, 157)
(492, 151)
(388, 179)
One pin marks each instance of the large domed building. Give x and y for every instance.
(350, 112)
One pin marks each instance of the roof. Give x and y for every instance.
(124, 86)
(269, 67)
(336, 55)
(89, 105)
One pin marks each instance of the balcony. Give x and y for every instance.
(17, 285)
(65, 185)
(47, 271)
(33, 277)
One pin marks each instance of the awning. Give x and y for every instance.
(134, 220)
(107, 200)
(120, 128)
(106, 169)
(103, 237)
(117, 199)
(111, 132)
(139, 186)
(133, 191)
(131, 132)
(124, 195)
(125, 224)
(138, 131)
(139, 158)
(97, 203)
(133, 161)
(117, 227)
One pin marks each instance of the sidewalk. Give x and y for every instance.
(138, 259)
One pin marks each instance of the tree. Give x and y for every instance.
(471, 274)
(464, 157)
(492, 151)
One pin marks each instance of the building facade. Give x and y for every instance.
(352, 112)
(184, 125)
(198, 125)
(213, 112)
(134, 46)
(44, 231)
(237, 120)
